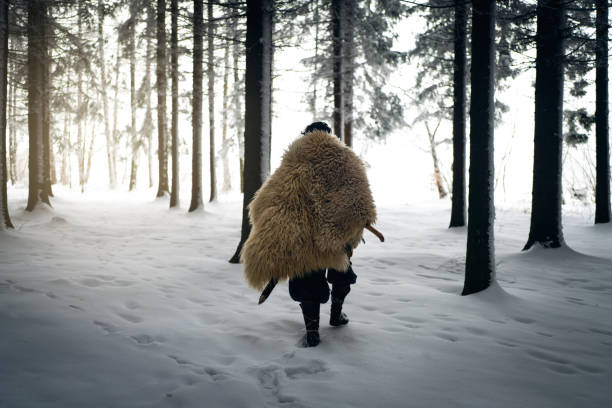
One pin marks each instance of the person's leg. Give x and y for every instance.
(341, 286)
(310, 290)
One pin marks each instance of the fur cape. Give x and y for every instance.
(316, 203)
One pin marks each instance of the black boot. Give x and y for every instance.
(310, 310)
(336, 317)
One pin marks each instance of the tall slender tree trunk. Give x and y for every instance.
(196, 117)
(46, 107)
(237, 100)
(602, 131)
(65, 150)
(459, 68)
(211, 101)
(337, 11)
(546, 225)
(112, 178)
(147, 125)
(115, 141)
(258, 81)
(35, 78)
(480, 254)
(79, 116)
(174, 196)
(227, 182)
(13, 127)
(349, 70)
(4, 33)
(162, 126)
(133, 134)
(434, 155)
(313, 102)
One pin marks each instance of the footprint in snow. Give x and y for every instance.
(130, 317)
(107, 327)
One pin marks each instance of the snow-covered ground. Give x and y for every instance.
(112, 300)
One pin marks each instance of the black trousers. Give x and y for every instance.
(314, 286)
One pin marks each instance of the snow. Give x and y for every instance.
(113, 300)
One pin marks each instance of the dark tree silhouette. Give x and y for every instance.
(174, 195)
(459, 68)
(211, 100)
(162, 126)
(602, 131)
(480, 256)
(338, 12)
(196, 116)
(258, 83)
(35, 85)
(546, 226)
(4, 33)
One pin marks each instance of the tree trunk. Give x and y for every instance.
(227, 182)
(46, 107)
(602, 189)
(459, 67)
(258, 80)
(337, 10)
(35, 78)
(349, 70)
(13, 128)
(79, 113)
(115, 141)
(4, 33)
(237, 101)
(133, 134)
(162, 126)
(436, 163)
(313, 102)
(211, 101)
(174, 196)
(196, 117)
(480, 254)
(109, 157)
(147, 125)
(546, 225)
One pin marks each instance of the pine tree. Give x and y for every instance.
(480, 255)
(174, 196)
(258, 82)
(602, 189)
(162, 153)
(211, 100)
(196, 118)
(546, 225)
(4, 34)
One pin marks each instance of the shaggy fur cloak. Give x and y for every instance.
(316, 202)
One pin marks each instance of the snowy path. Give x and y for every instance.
(120, 302)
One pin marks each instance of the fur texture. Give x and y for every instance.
(309, 209)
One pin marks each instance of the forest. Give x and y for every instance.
(482, 127)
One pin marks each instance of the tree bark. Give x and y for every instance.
(162, 126)
(13, 127)
(349, 70)
(436, 163)
(196, 117)
(237, 100)
(147, 125)
(546, 225)
(46, 106)
(174, 195)
(459, 68)
(134, 138)
(112, 181)
(602, 131)
(227, 182)
(35, 79)
(337, 10)
(115, 133)
(4, 33)
(480, 254)
(211, 101)
(258, 80)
